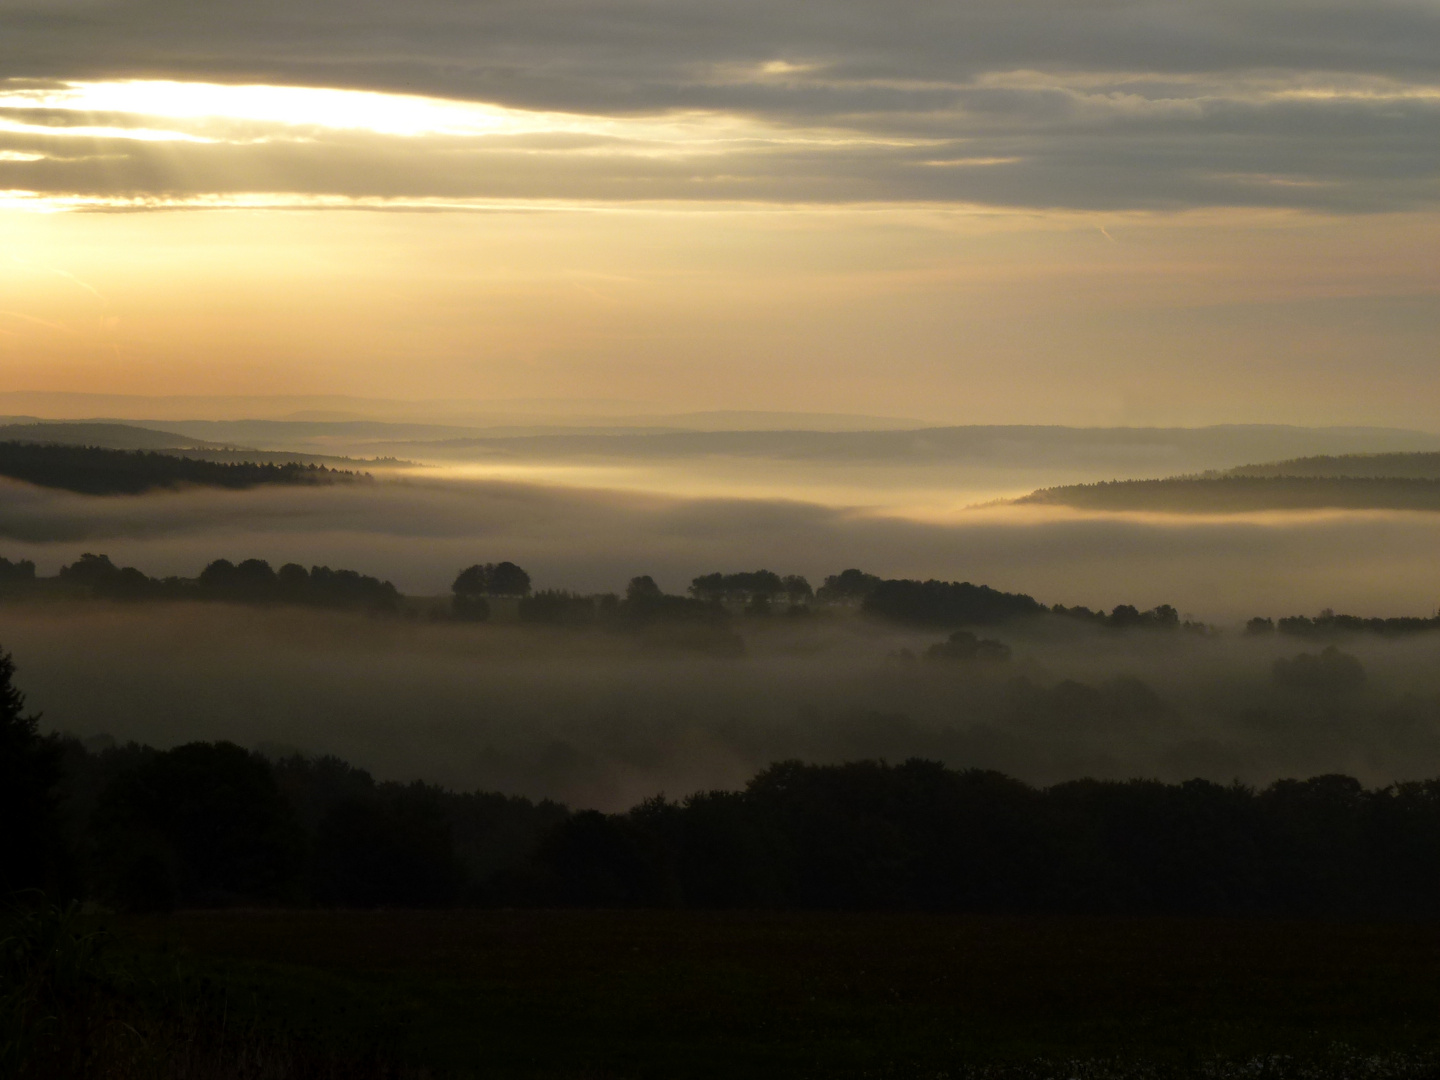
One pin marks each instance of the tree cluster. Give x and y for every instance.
(21, 572)
(212, 824)
(868, 835)
(252, 581)
(1129, 617)
(946, 603)
(91, 470)
(1329, 624)
(755, 589)
(475, 583)
(847, 587)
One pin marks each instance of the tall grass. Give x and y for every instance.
(71, 1007)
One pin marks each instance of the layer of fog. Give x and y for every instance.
(599, 718)
(927, 473)
(420, 534)
(603, 719)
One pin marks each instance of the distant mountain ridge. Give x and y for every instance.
(109, 435)
(1156, 451)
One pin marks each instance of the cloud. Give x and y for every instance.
(1107, 104)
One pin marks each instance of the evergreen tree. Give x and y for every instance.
(31, 851)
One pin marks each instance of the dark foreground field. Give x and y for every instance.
(646, 994)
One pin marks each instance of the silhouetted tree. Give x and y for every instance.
(797, 590)
(21, 572)
(507, 579)
(89, 570)
(847, 587)
(203, 824)
(742, 588)
(642, 590)
(595, 861)
(292, 583)
(469, 589)
(392, 847)
(32, 854)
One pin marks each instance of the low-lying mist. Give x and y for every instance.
(419, 534)
(604, 719)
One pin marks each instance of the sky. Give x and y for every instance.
(991, 211)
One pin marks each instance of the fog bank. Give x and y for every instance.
(418, 534)
(605, 719)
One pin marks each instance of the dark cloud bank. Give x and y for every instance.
(1108, 105)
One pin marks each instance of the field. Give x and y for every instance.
(656, 994)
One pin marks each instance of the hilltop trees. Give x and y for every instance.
(946, 603)
(742, 588)
(254, 581)
(91, 470)
(755, 590)
(847, 587)
(473, 584)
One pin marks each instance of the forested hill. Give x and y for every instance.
(1392, 466)
(91, 470)
(1240, 494)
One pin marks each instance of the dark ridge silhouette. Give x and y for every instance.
(1030, 445)
(1413, 466)
(1243, 493)
(210, 824)
(110, 436)
(91, 470)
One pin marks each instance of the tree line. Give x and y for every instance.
(1329, 624)
(711, 599)
(211, 824)
(91, 470)
(252, 581)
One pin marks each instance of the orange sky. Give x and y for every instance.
(1114, 213)
(930, 312)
